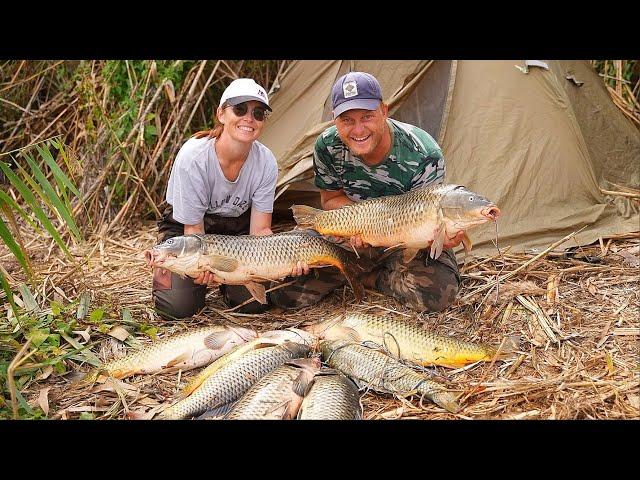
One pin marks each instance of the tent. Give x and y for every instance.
(542, 139)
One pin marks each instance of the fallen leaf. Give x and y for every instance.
(43, 400)
(634, 400)
(141, 414)
(113, 385)
(46, 372)
(83, 333)
(629, 259)
(119, 333)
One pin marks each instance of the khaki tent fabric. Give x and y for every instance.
(541, 143)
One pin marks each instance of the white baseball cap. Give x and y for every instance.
(243, 90)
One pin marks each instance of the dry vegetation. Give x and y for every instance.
(577, 315)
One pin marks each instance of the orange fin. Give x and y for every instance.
(304, 215)
(257, 291)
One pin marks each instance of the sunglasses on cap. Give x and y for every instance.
(240, 110)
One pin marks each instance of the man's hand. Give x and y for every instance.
(356, 241)
(455, 241)
(206, 278)
(300, 269)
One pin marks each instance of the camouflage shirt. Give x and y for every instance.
(415, 160)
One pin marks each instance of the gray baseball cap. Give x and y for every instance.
(355, 90)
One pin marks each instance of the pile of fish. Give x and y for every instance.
(313, 373)
(318, 372)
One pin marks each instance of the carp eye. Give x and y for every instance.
(471, 199)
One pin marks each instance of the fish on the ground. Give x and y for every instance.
(248, 259)
(233, 379)
(418, 219)
(332, 396)
(184, 351)
(279, 394)
(268, 338)
(372, 368)
(408, 341)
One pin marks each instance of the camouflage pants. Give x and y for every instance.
(423, 284)
(175, 297)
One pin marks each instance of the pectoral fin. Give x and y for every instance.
(466, 241)
(257, 291)
(438, 241)
(409, 254)
(221, 263)
(338, 332)
(183, 357)
(217, 340)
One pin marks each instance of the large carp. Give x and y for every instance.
(374, 369)
(247, 259)
(414, 220)
(409, 341)
(184, 351)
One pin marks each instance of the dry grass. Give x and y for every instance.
(577, 316)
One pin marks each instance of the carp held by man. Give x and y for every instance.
(418, 219)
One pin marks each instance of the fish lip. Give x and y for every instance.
(155, 257)
(491, 212)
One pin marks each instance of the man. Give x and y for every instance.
(365, 154)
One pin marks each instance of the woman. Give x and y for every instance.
(223, 181)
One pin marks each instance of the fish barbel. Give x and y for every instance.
(408, 341)
(248, 259)
(278, 395)
(414, 220)
(184, 351)
(332, 396)
(374, 369)
(233, 379)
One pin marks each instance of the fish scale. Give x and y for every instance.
(382, 373)
(233, 380)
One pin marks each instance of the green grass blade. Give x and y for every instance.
(53, 197)
(32, 201)
(9, 294)
(9, 201)
(7, 237)
(57, 172)
(60, 147)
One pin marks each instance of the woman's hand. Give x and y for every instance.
(300, 269)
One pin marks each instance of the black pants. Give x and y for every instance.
(175, 297)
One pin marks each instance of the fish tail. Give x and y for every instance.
(304, 215)
(351, 271)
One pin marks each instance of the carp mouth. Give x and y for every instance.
(154, 257)
(492, 213)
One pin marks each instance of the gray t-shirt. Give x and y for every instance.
(198, 186)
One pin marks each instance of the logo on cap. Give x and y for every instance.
(350, 89)
(261, 93)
